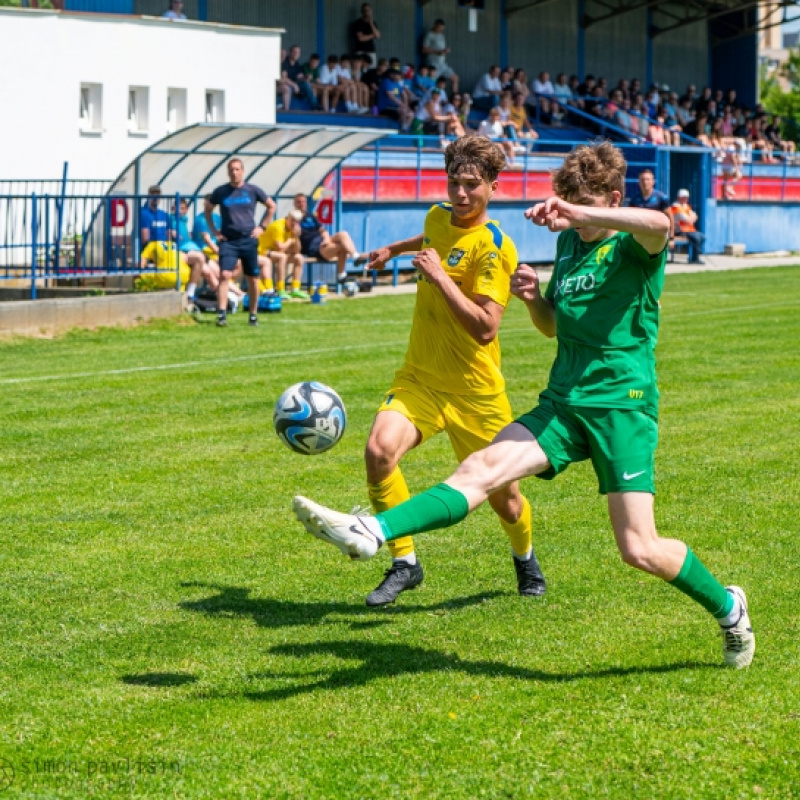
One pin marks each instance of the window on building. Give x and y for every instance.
(176, 109)
(138, 110)
(215, 105)
(90, 114)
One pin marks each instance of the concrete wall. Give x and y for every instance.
(763, 227)
(46, 317)
(51, 54)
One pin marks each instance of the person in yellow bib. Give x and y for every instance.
(451, 380)
(164, 256)
(280, 243)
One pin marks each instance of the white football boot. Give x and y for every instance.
(358, 537)
(739, 641)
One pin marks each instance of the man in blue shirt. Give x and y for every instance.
(238, 235)
(153, 221)
(179, 231)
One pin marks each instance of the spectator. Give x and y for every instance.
(759, 142)
(435, 50)
(202, 235)
(593, 103)
(587, 87)
(519, 85)
(238, 235)
(488, 89)
(316, 242)
(280, 243)
(653, 100)
(432, 119)
(728, 157)
(509, 126)
(691, 95)
(772, 133)
(639, 120)
(422, 82)
(519, 116)
(311, 70)
(294, 81)
(492, 128)
(602, 84)
(684, 112)
(175, 10)
(701, 104)
(461, 105)
(356, 94)
(544, 86)
(329, 84)
(193, 252)
(648, 196)
(731, 99)
(506, 79)
(697, 128)
(394, 100)
(373, 78)
(366, 33)
(562, 91)
(683, 221)
(153, 220)
(623, 87)
(574, 86)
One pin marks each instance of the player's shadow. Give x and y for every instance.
(394, 660)
(159, 680)
(268, 612)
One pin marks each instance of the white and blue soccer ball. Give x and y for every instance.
(350, 288)
(309, 418)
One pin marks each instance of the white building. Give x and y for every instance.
(95, 90)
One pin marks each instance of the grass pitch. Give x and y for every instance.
(169, 630)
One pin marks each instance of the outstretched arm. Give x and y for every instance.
(649, 228)
(378, 258)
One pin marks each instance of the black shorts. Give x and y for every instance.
(244, 250)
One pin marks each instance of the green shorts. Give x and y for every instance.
(620, 442)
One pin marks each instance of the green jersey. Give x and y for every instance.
(605, 295)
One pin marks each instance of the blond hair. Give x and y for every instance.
(474, 151)
(591, 169)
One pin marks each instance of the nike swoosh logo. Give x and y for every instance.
(365, 531)
(627, 477)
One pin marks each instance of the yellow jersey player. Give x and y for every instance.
(163, 256)
(451, 380)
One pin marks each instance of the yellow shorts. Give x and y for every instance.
(166, 280)
(470, 421)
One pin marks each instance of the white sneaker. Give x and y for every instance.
(358, 537)
(739, 641)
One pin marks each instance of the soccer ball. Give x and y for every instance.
(309, 417)
(350, 288)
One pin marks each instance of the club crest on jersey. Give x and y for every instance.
(455, 256)
(603, 252)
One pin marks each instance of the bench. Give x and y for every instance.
(677, 244)
(326, 271)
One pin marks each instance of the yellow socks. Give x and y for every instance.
(385, 495)
(520, 533)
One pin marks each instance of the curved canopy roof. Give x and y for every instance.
(282, 159)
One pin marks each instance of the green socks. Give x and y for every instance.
(439, 507)
(697, 582)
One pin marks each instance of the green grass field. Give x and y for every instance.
(169, 631)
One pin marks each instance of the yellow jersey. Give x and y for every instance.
(162, 254)
(441, 353)
(276, 232)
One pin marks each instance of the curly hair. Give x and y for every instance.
(477, 152)
(591, 169)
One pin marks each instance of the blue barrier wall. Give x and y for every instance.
(373, 225)
(763, 227)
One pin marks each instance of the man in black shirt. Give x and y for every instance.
(365, 31)
(238, 236)
(294, 80)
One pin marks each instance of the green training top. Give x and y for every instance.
(605, 295)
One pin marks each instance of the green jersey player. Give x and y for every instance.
(601, 401)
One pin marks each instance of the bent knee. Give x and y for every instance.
(380, 456)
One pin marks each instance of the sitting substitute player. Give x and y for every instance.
(601, 400)
(450, 380)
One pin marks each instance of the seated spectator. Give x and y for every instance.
(201, 234)
(544, 86)
(294, 81)
(701, 103)
(422, 82)
(153, 220)
(660, 133)
(193, 252)
(574, 84)
(636, 87)
(316, 242)
(509, 126)
(460, 105)
(175, 10)
(280, 243)
(712, 110)
(519, 116)
(328, 86)
(684, 220)
(506, 79)
(356, 94)
(623, 87)
(311, 70)
(727, 156)
(492, 128)
(165, 258)
(441, 85)
(638, 114)
(562, 91)
(684, 112)
(697, 128)
(731, 99)
(519, 84)
(435, 50)
(653, 100)
(372, 78)
(488, 89)
(593, 103)
(772, 133)
(394, 100)
(587, 87)
(758, 141)
(432, 120)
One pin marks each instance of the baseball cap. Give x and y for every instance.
(683, 192)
